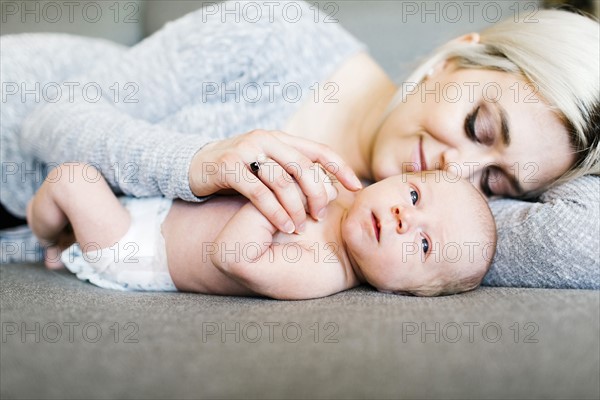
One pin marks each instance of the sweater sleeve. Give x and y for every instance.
(112, 116)
(553, 243)
(123, 148)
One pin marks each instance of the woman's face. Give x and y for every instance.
(488, 126)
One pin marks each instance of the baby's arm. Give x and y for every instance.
(76, 193)
(246, 252)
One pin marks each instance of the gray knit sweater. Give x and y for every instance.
(199, 80)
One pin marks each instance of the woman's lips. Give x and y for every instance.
(376, 226)
(422, 155)
(418, 162)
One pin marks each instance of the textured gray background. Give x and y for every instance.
(369, 360)
(396, 33)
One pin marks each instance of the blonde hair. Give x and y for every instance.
(558, 52)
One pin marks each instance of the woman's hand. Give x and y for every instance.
(270, 170)
(226, 165)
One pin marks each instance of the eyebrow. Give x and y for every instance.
(504, 130)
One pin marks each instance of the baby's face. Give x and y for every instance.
(416, 231)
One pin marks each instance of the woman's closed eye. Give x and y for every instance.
(477, 127)
(485, 183)
(494, 182)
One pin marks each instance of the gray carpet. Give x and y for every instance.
(96, 343)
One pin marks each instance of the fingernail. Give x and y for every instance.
(289, 227)
(357, 183)
(322, 214)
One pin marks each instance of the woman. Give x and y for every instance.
(200, 82)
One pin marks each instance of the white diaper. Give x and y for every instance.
(136, 262)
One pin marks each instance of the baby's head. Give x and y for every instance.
(426, 234)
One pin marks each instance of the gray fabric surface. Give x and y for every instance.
(552, 243)
(369, 360)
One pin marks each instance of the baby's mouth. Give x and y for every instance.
(376, 226)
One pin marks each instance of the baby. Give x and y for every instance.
(422, 234)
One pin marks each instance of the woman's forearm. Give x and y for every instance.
(136, 157)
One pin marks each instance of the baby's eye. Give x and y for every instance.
(414, 196)
(425, 245)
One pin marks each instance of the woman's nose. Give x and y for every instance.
(403, 218)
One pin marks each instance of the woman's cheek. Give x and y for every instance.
(389, 161)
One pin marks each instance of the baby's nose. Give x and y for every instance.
(402, 217)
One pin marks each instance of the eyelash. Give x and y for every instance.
(499, 177)
(485, 183)
(470, 126)
(424, 240)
